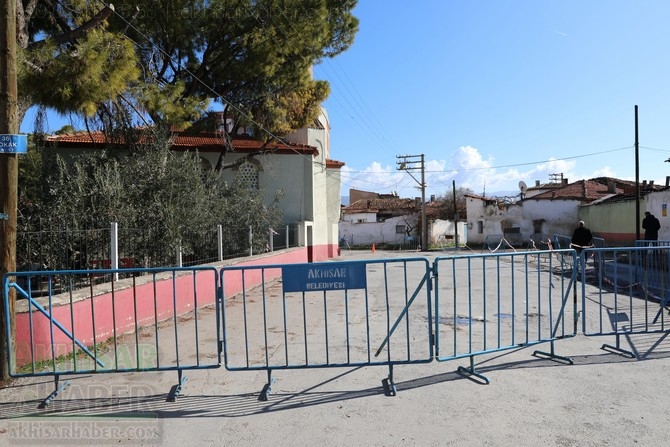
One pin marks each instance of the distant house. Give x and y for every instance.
(379, 219)
(374, 218)
(556, 210)
(300, 167)
(615, 218)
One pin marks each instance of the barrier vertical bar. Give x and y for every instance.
(174, 313)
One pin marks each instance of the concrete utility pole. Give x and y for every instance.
(409, 163)
(9, 124)
(456, 216)
(637, 180)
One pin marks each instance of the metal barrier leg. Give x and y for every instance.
(267, 389)
(388, 384)
(617, 348)
(57, 390)
(664, 303)
(471, 371)
(552, 355)
(176, 389)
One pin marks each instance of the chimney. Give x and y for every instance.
(417, 201)
(564, 181)
(667, 180)
(611, 186)
(644, 184)
(651, 183)
(537, 183)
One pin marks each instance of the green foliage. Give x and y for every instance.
(164, 196)
(168, 103)
(78, 77)
(170, 57)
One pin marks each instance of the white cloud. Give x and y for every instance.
(467, 168)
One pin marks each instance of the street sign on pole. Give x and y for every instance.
(13, 144)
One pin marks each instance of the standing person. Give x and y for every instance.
(581, 237)
(651, 225)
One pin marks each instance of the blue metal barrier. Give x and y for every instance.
(325, 315)
(561, 241)
(626, 291)
(646, 243)
(381, 312)
(493, 302)
(68, 322)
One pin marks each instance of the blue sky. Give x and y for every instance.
(494, 92)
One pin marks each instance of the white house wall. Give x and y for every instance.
(657, 203)
(372, 232)
(557, 216)
(322, 188)
(491, 218)
(530, 217)
(441, 232)
(360, 217)
(334, 202)
(273, 177)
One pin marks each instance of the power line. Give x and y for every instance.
(457, 170)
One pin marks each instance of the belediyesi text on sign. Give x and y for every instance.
(326, 276)
(13, 144)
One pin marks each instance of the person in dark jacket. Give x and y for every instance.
(651, 225)
(581, 238)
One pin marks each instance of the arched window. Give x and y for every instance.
(206, 165)
(247, 173)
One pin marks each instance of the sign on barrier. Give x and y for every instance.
(330, 314)
(314, 277)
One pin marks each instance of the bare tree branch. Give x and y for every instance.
(77, 33)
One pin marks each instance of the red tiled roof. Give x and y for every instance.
(334, 164)
(584, 190)
(204, 142)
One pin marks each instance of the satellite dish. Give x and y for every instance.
(523, 187)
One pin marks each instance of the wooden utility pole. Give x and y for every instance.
(9, 124)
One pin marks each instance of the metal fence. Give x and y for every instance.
(157, 320)
(498, 301)
(121, 247)
(325, 315)
(382, 312)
